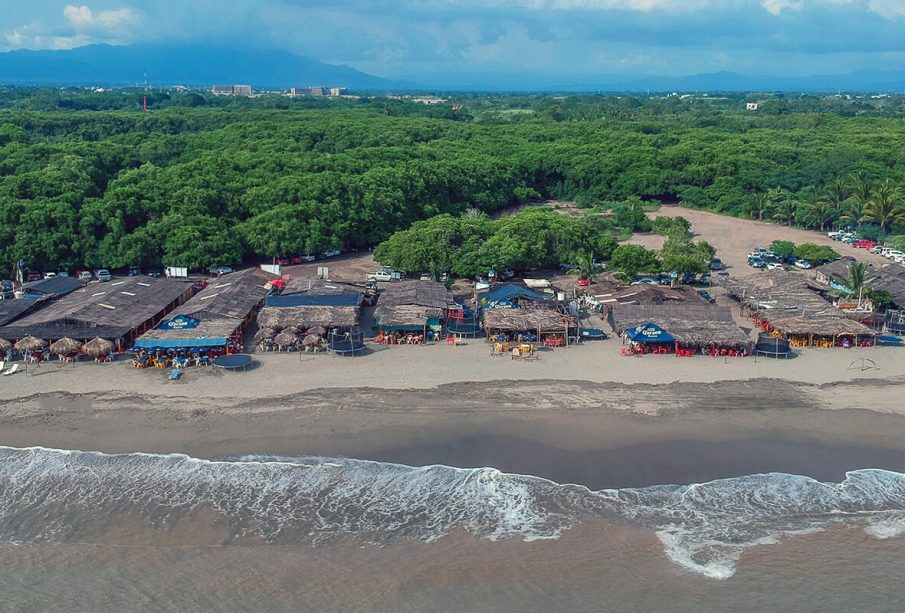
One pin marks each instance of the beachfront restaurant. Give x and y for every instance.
(787, 306)
(312, 315)
(214, 320)
(546, 323)
(412, 312)
(119, 311)
(686, 329)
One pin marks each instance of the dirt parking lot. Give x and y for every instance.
(734, 238)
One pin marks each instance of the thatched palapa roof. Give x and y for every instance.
(690, 323)
(98, 346)
(540, 318)
(412, 303)
(306, 317)
(65, 346)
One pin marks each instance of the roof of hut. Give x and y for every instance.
(412, 303)
(775, 290)
(306, 317)
(540, 317)
(693, 323)
(820, 324)
(219, 308)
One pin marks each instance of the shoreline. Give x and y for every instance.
(597, 435)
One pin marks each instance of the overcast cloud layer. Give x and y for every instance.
(421, 39)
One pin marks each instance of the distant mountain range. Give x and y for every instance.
(189, 65)
(199, 65)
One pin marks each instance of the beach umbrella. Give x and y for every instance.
(5, 345)
(311, 339)
(292, 330)
(98, 346)
(30, 343)
(285, 339)
(65, 346)
(317, 331)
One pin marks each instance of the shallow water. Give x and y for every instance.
(146, 531)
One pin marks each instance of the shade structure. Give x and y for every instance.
(30, 343)
(649, 333)
(5, 345)
(180, 343)
(318, 330)
(285, 339)
(98, 346)
(311, 339)
(65, 346)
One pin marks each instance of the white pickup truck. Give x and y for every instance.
(385, 275)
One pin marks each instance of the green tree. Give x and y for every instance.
(633, 259)
(815, 253)
(885, 207)
(761, 205)
(783, 248)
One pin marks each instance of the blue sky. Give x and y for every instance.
(421, 39)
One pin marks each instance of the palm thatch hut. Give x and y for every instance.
(311, 339)
(285, 339)
(30, 343)
(65, 346)
(5, 345)
(97, 347)
(697, 324)
(539, 318)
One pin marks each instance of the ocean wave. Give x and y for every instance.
(51, 495)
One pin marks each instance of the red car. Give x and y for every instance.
(864, 244)
(583, 281)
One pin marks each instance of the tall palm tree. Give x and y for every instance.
(784, 206)
(837, 192)
(861, 189)
(820, 213)
(856, 273)
(885, 206)
(761, 204)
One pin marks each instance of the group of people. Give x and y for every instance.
(176, 359)
(402, 338)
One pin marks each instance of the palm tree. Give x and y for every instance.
(761, 204)
(820, 213)
(885, 206)
(861, 188)
(785, 207)
(856, 273)
(837, 192)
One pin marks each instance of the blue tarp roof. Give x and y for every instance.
(295, 300)
(649, 333)
(503, 293)
(180, 343)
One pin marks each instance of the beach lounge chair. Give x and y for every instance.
(2, 366)
(175, 374)
(12, 370)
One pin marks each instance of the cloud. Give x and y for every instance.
(83, 18)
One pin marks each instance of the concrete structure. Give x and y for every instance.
(232, 90)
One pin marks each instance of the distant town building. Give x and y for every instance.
(317, 91)
(428, 100)
(232, 90)
(752, 106)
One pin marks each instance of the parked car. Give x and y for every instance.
(85, 275)
(645, 281)
(689, 277)
(50, 275)
(803, 264)
(583, 281)
(665, 279)
(717, 264)
(330, 253)
(6, 285)
(426, 276)
(155, 272)
(308, 257)
(62, 273)
(567, 266)
(774, 266)
(706, 295)
(598, 264)
(504, 275)
(103, 275)
(220, 270)
(33, 276)
(704, 279)
(864, 244)
(756, 263)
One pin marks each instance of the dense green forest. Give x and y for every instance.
(199, 181)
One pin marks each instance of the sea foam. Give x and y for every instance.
(51, 495)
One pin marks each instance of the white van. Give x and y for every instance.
(894, 254)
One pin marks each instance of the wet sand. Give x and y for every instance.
(599, 435)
